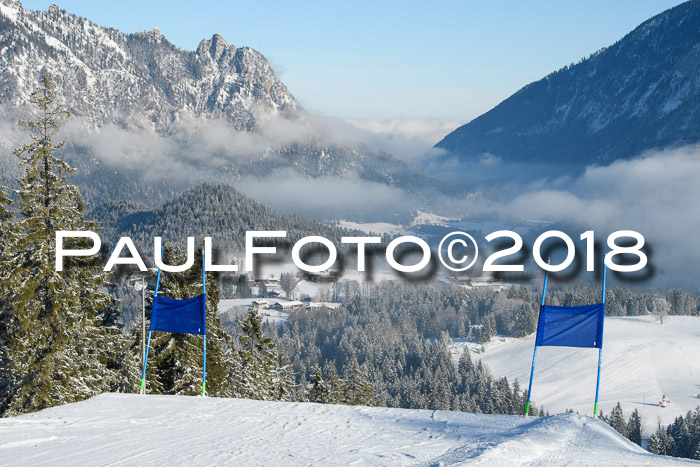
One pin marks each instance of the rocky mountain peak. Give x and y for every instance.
(11, 3)
(106, 76)
(152, 34)
(217, 49)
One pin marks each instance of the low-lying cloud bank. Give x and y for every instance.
(215, 142)
(197, 149)
(329, 197)
(657, 195)
(406, 138)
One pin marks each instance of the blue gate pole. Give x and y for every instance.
(534, 353)
(148, 345)
(605, 269)
(529, 389)
(158, 278)
(204, 311)
(597, 384)
(600, 351)
(145, 362)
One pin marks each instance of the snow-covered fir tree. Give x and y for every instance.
(283, 386)
(488, 329)
(634, 428)
(60, 332)
(359, 390)
(5, 214)
(316, 390)
(265, 373)
(335, 385)
(661, 442)
(6, 379)
(680, 439)
(617, 420)
(243, 287)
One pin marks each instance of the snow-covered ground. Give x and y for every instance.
(375, 228)
(642, 360)
(422, 218)
(129, 429)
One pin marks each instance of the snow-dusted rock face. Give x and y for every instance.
(643, 92)
(107, 76)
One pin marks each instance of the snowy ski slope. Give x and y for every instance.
(129, 429)
(642, 360)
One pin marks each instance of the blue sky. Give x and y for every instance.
(405, 59)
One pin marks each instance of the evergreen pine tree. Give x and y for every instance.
(488, 329)
(262, 288)
(5, 217)
(526, 320)
(317, 390)
(6, 378)
(465, 367)
(62, 342)
(258, 357)
(660, 442)
(533, 410)
(243, 287)
(634, 428)
(335, 385)
(617, 420)
(358, 389)
(517, 402)
(283, 382)
(655, 444)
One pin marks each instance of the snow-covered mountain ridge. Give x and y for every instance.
(641, 93)
(122, 429)
(104, 75)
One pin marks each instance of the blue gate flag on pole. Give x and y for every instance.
(182, 316)
(571, 326)
(188, 316)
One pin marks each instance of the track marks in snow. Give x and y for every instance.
(642, 360)
(123, 429)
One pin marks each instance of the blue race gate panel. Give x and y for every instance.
(571, 326)
(182, 316)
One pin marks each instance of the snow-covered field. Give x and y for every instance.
(642, 360)
(373, 228)
(422, 218)
(129, 429)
